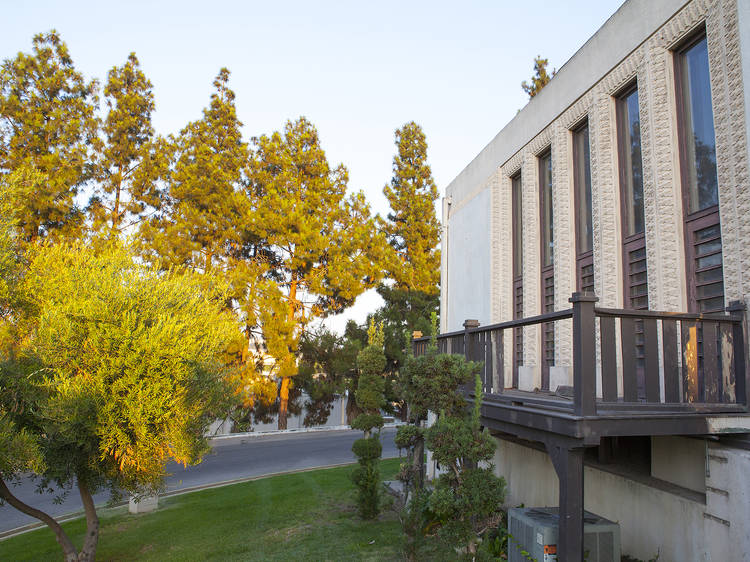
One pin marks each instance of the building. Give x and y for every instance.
(626, 178)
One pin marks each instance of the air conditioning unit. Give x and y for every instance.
(533, 536)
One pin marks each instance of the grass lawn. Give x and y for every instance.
(303, 516)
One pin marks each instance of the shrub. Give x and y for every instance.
(369, 396)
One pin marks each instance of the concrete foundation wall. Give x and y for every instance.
(651, 519)
(679, 460)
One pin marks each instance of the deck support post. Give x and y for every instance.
(584, 354)
(568, 463)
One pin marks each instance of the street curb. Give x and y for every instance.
(226, 436)
(76, 514)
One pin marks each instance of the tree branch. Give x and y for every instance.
(62, 539)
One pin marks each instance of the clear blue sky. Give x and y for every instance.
(357, 70)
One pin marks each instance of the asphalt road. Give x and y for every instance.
(231, 459)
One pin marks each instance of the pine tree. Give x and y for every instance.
(200, 229)
(49, 126)
(413, 232)
(322, 247)
(540, 78)
(412, 228)
(202, 218)
(131, 161)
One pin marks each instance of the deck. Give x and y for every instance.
(632, 373)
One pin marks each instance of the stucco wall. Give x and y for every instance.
(632, 24)
(743, 24)
(468, 269)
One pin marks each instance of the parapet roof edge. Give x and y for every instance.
(633, 23)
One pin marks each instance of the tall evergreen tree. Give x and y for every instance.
(48, 124)
(200, 229)
(201, 223)
(323, 247)
(131, 160)
(412, 228)
(413, 231)
(540, 78)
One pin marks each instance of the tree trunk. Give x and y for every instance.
(404, 411)
(69, 551)
(88, 552)
(285, 382)
(116, 207)
(352, 410)
(419, 464)
(283, 402)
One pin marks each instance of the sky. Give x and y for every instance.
(357, 70)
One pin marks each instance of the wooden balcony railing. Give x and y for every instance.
(681, 362)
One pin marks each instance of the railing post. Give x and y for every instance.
(584, 354)
(414, 336)
(468, 325)
(741, 382)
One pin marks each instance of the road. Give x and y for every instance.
(231, 459)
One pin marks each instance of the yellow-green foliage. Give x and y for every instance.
(130, 361)
(413, 229)
(49, 125)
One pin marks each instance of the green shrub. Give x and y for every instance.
(407, 436)
(367, 449)
(366, 422)
(369, 397)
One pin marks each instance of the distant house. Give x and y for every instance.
(626, 178)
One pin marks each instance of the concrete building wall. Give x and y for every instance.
(726, 526)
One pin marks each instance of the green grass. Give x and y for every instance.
(302, 516)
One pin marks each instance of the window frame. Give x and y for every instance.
(636, 241)
(696, 221)
(516, 182)
(584, 258)
(547, 271)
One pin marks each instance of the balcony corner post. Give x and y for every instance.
(584, 354)
(415, 335)
(468, 325)
(739, 334)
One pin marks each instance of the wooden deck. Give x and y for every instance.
(634, 373)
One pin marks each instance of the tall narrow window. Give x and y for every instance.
(548, 267)
(584, 228)
(517, 274)
(703, 245)
(631, 200)
(631, 208)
